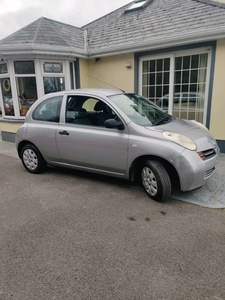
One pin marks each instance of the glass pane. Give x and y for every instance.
(193, 88)
(6, 93)
(178, 63)
(72, 76)
(158, 91)
(166, 77)
(152, 92)
(184, 88)
(152, 66)
(145, 79)
(201, 89)
(53, 84)
(202, 76)
(177, 88)
(27, 93)
(186, 62)
(203, 60)
(145, 66)
(185, 76)
(159, 78)
(165, 90)
(194, 76)
(48, 110)
(3, 69)
(24, 67)
(55, 67)
(177, 77)
(152, 79)
(145, 92)
(194, 61)
(166, 64)
(159, 65)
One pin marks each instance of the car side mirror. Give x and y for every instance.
(112, 123)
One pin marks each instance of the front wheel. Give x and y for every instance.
(155, 180)
(32, 159)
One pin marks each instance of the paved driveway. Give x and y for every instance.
(69, 235)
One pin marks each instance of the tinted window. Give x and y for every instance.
(48, 110)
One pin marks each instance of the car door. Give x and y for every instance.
(84, 141)
(42, 129)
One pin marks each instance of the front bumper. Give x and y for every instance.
(193, 171)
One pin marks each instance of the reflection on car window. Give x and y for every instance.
(48, 110)
(84, 110)
(140, 110)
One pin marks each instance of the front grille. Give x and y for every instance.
(209, 173)
(209, 153)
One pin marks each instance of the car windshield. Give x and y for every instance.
(140, 110)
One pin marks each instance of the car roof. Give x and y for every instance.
(97, 91)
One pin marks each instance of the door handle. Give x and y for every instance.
(64, 132)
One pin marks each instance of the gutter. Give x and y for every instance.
(46, 50)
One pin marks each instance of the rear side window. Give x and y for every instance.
(48, 110)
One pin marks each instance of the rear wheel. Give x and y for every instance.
(32, 159)
(155, 180)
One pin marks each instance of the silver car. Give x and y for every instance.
(117, 134)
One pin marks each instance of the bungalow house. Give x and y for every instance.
(171, 52)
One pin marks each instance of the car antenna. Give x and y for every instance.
(105, 83)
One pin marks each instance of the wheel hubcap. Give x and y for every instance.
(149, 181)
(30, 159)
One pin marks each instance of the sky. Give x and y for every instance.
(15, 14)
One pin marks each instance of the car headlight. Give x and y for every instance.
(180, 139)
(199, 124)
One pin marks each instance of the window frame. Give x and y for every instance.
(172, 56)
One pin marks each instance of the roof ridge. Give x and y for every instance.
(212, 3)
(35, 36)
(48, 20)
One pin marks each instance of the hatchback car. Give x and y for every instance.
(118, 134)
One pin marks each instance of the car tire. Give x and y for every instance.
(155, 180)
(32, 159)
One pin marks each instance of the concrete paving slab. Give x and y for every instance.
(211, 195)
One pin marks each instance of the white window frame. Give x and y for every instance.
(172, 56)
(3, 76)
(14, 90)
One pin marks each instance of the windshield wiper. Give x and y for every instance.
(163, 121)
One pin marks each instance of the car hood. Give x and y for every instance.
(201, 136)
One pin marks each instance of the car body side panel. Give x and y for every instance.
(93, 147)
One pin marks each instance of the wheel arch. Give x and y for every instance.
(22, 144)
(135, 168)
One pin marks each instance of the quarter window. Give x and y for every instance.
(49, 110)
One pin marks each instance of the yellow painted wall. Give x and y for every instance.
(111, 70)
(10, 127)
(217, 120)
(84, 79)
